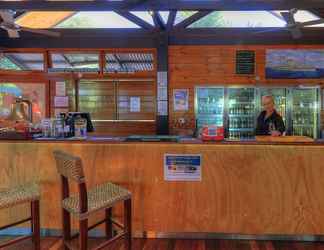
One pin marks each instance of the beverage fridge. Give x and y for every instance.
(237, 109)
(240, 113)
(209, 105)
(305, 112)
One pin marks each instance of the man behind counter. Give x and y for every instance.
(269, 121)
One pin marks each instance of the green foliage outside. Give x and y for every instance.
(6, 64)
(77, 21)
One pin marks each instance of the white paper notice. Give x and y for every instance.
(60, 89)
(162, 93)
(61, 101)
(135, 104)
(163, 78)
(163, 108)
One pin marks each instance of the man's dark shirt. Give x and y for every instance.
(263, 124)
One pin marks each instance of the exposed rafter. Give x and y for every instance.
(171, 19)
(190, 20)
(135, 19)
(158, 21)
(101, 5)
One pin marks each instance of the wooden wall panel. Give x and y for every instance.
(124, 128)
(191, 66)
(146, 91)
(97, 98)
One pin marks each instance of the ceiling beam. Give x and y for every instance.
(103, 5)
(83, 38)
(138, 39)
(135, 19)
(192, 19)
(171, 19)
(158, 20)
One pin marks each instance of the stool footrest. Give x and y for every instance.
(68, 243)
(16, 223)
(103, 245)
(16, 240)
(94, 226)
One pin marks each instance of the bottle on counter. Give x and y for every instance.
(59, 126)
(46, 128)
(69, 124)
(80, 127)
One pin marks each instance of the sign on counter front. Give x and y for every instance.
(182, 167)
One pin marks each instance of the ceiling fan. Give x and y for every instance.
(292, 25)
(8, 24)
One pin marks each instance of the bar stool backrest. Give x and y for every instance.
(70, 167)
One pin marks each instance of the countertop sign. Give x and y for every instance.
(182, 167)
(245, 62)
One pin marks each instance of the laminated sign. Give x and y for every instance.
(182, 167)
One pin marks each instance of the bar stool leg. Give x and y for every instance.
(66, 221)
(128, 223)
(83, 234)
(109, 225)
(32, 222)
(36, 224)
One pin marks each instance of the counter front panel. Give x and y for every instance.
(245, 189)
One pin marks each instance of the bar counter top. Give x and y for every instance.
(246, 187)
(261, 140)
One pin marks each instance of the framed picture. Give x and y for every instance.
(180, 99)
(294, 63)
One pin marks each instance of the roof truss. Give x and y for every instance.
(177, 33)
(156, 5)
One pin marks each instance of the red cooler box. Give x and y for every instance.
(212, 133)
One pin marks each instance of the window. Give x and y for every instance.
(129, 62)
(22, 61)
(75, 62)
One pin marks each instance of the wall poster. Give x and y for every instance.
(294, 63)
(135, 104)
(181, 99)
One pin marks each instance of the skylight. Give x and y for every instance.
(239, 19)
(165, 15)
(250, 19)
(305, 16)
(144, 15)
(104, 19)
(182, 15)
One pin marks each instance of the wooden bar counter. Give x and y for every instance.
(247, 188)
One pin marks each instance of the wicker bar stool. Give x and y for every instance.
(85, 203)
(19, 195)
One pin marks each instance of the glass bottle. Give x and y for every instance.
(80, 127)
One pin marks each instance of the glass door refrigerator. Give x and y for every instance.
(280, 97)
(209, 106)
(241, 111)
(305, 111)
